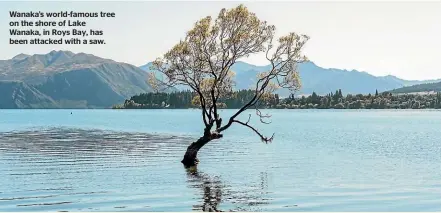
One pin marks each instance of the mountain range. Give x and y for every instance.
(419, 88)
(321, 80)
(62, 79)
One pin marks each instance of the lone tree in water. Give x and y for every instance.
(202, 62)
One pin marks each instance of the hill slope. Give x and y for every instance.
(76, 80)
(19, 95)
(429, 87)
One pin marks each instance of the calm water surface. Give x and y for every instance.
(320, 160)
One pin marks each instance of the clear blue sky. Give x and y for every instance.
(398, 38)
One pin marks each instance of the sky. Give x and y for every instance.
(381, 38)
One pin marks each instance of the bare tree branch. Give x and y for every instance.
(262, 117)
(264, 139)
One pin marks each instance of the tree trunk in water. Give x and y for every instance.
(190, 157)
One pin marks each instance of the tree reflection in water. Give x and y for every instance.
(215, 192)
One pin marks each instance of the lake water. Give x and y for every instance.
(129, 160)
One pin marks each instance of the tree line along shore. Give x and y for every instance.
(333, 100)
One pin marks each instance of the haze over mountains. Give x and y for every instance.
(419, 88)
(321, 80)
(62, 79)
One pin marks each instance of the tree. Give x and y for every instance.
(202, 62)
(314, 98)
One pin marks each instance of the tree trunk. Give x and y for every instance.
(190, 157)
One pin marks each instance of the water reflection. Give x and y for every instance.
(211, 188)
(63, 169)
(215, 193)
(60, 142)
(71, 169)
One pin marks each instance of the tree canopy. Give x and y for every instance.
(202, 62)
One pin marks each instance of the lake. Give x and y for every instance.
(129, 160)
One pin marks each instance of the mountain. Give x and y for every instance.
(19, 95)
(428, 87)
(146, 67)
(409, 82)
(323, 81)
(70, 80)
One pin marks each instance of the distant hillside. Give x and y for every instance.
(19, 95)
(323, 81)
(73, 80)
(429, 87)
